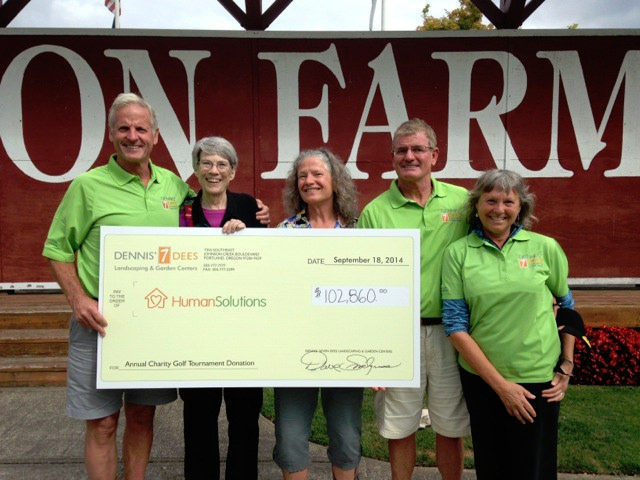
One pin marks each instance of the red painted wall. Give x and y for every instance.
(563, 107)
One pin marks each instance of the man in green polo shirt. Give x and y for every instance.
(416, 200)
(129, 191)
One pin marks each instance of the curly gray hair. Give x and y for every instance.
(345, 202)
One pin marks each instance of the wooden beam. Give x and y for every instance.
(511, 14)
(273, 12)
(512, 11)
(235, 11)
(10, 10)
(254, 14)
(491, 11)
(254, 19)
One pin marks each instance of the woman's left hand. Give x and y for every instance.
(263, 214)
(232, 226)
(558, 389)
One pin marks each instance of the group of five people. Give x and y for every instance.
(487, 286)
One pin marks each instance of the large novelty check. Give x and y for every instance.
(191, 307)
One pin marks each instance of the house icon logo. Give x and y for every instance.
(156, 298)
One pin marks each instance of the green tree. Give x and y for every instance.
(466, 17)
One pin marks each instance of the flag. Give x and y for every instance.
(111, 5)
(115, 8)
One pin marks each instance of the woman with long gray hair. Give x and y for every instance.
(320, 193)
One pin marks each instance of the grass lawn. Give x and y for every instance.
(599, 431)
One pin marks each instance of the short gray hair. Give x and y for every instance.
(503, 181)
(126, 99)
(214, 146)
(413, 127)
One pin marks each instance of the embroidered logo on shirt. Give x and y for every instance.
(451, 216)
(530, 261)
(169, 203)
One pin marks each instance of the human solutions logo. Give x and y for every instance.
(156, 299)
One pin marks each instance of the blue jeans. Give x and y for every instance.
(342, 409)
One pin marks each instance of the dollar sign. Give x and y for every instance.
(317, 292)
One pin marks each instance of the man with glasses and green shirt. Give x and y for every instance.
(416, 200)
(129, 191)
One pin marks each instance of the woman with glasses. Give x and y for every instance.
(215, 162)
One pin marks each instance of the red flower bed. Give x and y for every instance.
(614, 358)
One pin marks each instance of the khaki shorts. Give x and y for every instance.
(398, 410)
(84, 400)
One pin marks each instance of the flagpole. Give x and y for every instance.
(116, 18)
(373, 11)
(382, 15)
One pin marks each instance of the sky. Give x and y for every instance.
(311, 15)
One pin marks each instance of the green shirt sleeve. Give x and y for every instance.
(71, 223)
(557, 282)
(364, 221)
(452, 288)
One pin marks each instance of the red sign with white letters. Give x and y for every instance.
(561, 108)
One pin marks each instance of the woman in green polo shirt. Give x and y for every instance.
(498, 288)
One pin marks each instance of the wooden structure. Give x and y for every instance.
(34, 331)
(510, 14)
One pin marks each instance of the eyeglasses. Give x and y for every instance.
(415, 149)
(206, 166)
